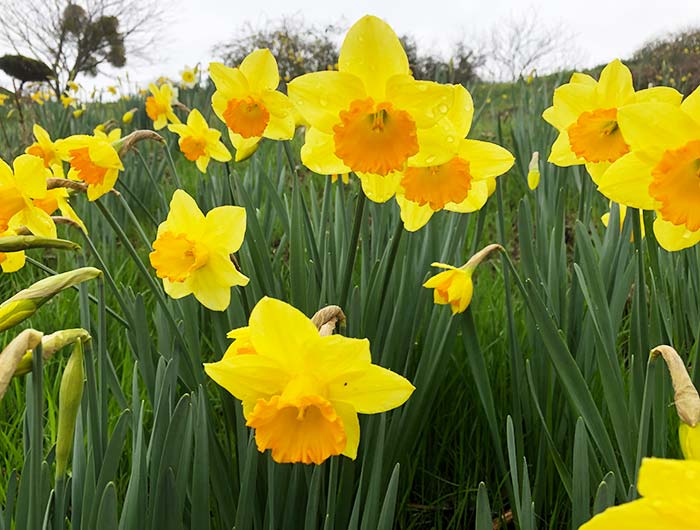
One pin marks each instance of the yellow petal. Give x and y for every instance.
(378, 188)
(485, 159)
(249, 377)
(570, 101)
(229, 82)
(690, 441)
(376, 390)
(596, 170)
(561, 154)
(426, 101)
(321, 96)
(318, 154)
(211, 284)
(643, 514)
(627, 181)
(655, 127)
(36, 220)
(260, 70)
(372, 51)
(281, 125)
(30, 175)
(438, 144)
(224, 228)
(615, 86)
(245, 147)
(578, 77)
(691, 105)
(184, 215)
(12, 262)
(670, 479)
(413, 215)
(476, 198)
(673, 237)
(334, 358)
(351, 425)
(281, 332)
(659, 94)
(462, 111)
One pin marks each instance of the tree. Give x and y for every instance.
(522, 44)
(76, 39)
(461, 66)
(298, 47)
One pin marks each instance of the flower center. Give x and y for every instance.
(375, 138)
(87, 170)
(307, 431)
(188, 77)
(175, 256)
(676, 185)
(193, 148)
(596, 136)
(155, 108)
(247, 117)
(11, 203)
(47, 155)
(438, 185)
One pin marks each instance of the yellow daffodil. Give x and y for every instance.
(67, 101)
(248, 102)
(112, 90)
(192, 251)
(188, 77)
(371, 116)
(3, 98)
(670, 500)
(458, 185)
(11, 261)
(73, 86)
(159, 105)
(128, 116)
(605, 219)
(661, 172)
(198, 142)
(533, 171)
(77, 113)
(301, 391)
(241, 344)
(586, 114)
(37, 97)
(19, 186)
(93, 160)
(57, 200)
(454, 286)
(46, 149)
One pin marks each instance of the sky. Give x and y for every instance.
(599, 30)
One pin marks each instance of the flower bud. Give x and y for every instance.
(12, 354)
(17, 243)
(533, 171)
(26, 302)
(50, 345)
(69, 399)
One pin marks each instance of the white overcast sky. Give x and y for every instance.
(600, 29)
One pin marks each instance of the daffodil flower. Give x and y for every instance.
(3, 98)
(661, 172)
(188, 77)
(454, 286)
(371, 116)
(93, 160)
(670, 500)
(67, 101)
(248, 102)
(46, 149)
(128, 116)
(11, 261)
(198, 142)
(459, 185)
(159, 105)
(192, 251)
(301, 391)
(586, 114)
(19, 186)
(533, 171)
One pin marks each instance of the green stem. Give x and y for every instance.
(352, 249)
(395, 240)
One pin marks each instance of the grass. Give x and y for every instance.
(542, 390)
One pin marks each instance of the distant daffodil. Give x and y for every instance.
(159, 105)
(586, 114)
(454, 286)
(198, 142)
(371, 116)
(248, 102)
(192, 252)
(302, 391)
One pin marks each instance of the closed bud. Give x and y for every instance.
(12, 354)
(69, 398)
(50, 345)
(26, 302)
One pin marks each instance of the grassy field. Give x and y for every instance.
(532, 409)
